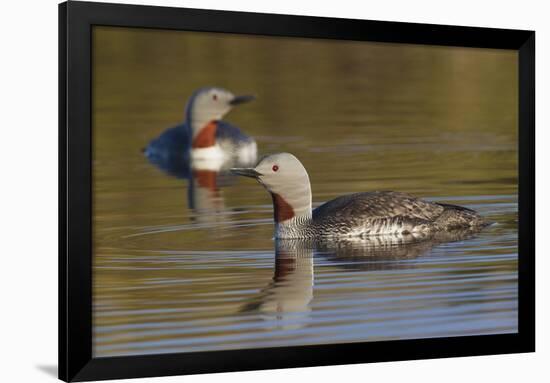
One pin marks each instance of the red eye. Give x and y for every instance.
(275, 168)
(214, 97)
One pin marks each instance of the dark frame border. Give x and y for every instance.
(75, 229)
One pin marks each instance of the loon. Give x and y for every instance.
(354, 215)
(203, 136)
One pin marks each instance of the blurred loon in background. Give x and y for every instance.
(353, 215)
(203, 140)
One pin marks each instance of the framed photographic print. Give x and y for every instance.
(247, 191)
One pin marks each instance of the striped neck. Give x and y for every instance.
(292, 200)
(295, 228)
(292, 221)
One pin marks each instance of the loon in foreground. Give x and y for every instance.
(353, 215)
(203, 136)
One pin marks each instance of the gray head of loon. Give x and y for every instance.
(284, 176)
(211, 104)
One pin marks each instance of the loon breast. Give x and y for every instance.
(173, 149)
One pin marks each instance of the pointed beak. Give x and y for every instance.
(247, 172)
(241, 99)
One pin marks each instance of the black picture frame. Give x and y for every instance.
(76, 20)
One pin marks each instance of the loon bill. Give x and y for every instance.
(353, 215)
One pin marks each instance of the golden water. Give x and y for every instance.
(437, 122)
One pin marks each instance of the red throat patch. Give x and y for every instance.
(281, 209)
(206, 137)
(206, 179)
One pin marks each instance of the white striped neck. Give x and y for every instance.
(289, 221)
(293, 228)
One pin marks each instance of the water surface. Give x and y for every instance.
(186, 265)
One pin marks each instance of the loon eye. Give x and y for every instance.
(214, 97)
(275, 168)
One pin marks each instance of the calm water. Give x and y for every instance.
(189, 265)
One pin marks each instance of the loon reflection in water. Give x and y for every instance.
(359, 214)
(205, 196)
(288, 295)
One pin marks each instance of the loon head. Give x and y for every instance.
(286, 179)
(205, 107)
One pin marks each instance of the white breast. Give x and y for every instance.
(211, 158)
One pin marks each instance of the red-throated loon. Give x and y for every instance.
(360, 214)
(204, 136)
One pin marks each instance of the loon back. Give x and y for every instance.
(387, 212)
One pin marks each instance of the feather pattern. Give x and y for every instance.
(379, 213)
(354, 215)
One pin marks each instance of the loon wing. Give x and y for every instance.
(382, 212)
(175, 141)
(168, 151)
(226, 131)
(377, 205)
(172, 142)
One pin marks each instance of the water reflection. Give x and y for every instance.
(286, 299)
(205, 196)
(175, 299)
(385, 252)
(205, 180)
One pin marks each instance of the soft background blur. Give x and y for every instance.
(433, 121)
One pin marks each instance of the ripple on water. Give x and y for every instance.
(151, 300)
